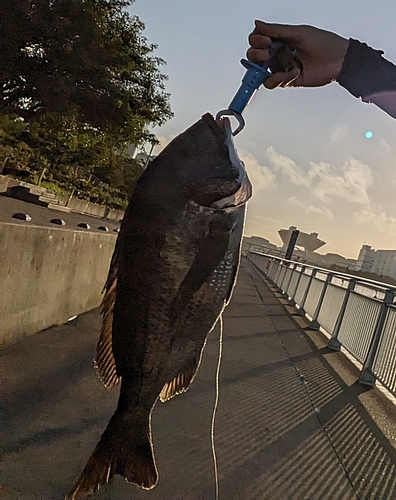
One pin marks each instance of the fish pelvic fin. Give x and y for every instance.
(182, 382)
(105, 363)
(125, 448)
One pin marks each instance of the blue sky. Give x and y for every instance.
(305, 149)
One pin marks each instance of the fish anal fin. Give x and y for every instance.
(182, 382)
(105, 363)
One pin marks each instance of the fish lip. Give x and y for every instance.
(244, 192)
(225, 124)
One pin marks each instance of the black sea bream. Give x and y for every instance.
(171, 276)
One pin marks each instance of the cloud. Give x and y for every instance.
(338, 133)
(289, 167)
(377, 220)
(349, 181)
(385, 146)
(322, 212)
(260, 176)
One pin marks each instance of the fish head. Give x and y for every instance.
(206, 166)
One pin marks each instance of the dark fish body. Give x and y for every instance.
(172, 274)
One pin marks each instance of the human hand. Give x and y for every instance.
(320, 52)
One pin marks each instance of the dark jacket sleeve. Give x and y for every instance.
(366, 74)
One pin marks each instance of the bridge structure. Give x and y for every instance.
(293, 420)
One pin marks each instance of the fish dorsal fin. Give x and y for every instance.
(105, 363)
(182, 382)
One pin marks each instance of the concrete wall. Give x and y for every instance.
(49, 275)
(75, 204)
(7, 182)
(86, 207)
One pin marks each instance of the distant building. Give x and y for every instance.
(309, 242)
(381, 262)
(260, 244)
(332, 261)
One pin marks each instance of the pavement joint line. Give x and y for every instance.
(304, 383)
(316, 412)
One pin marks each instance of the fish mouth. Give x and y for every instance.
(244, 193)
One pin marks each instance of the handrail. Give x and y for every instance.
(358, 314)
(362, 279)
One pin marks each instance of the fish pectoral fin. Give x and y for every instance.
(182, 382)
(209, 256)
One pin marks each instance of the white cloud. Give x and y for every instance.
(322, 212)
(289, 167)
(349, 181)
(376, 220)
(385, 146)
(260, 176)
(338, 133)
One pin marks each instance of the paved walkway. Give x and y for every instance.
(292, 422)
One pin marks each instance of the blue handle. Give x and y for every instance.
(255, 76)
(253, 79)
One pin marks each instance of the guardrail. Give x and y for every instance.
(358, 314)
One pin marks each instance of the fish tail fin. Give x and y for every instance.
(125, 448)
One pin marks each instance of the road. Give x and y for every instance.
(292, 422)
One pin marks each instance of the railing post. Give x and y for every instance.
(277, 273)
(274, 270)
(334, 343)
(279, 285)
(265, 268)
(366, 376)
(271, 271)
(284, 293)
(301, 310)
(283, 279)
(314, 325)
(293, 295)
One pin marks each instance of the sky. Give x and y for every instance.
(305, 150)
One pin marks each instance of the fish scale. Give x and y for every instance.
(172, 273)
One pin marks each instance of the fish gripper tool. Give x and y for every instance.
(255, 76)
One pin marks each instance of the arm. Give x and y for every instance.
(366, 74)
(326, 57)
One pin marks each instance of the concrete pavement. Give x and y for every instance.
(292, 422)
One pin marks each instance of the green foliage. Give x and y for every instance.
(84, 58)
(79, 84)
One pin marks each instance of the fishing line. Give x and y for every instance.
(216, 473)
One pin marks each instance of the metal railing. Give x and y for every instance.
(358, 314)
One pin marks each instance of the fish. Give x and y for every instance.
(171, 275)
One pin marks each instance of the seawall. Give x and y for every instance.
(48, 275)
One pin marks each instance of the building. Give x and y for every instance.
(309, 242)
(381, 262)
(260, 244)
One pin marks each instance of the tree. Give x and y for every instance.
(85, 60)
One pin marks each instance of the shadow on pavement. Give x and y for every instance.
(292, 423)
